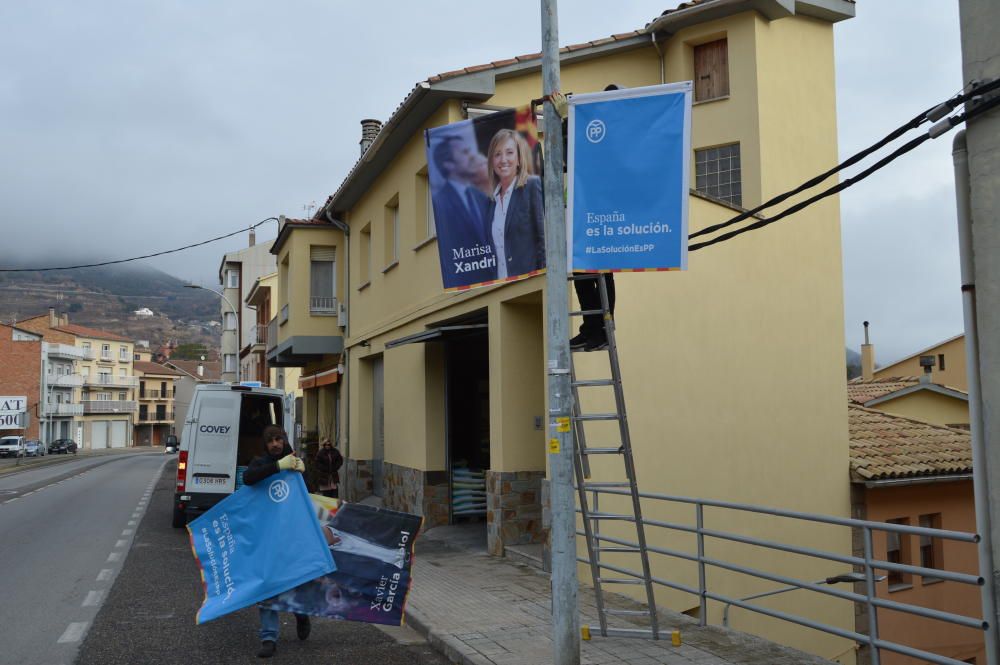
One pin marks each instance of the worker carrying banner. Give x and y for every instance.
(486, 193)
(256, 543)
(628, 176)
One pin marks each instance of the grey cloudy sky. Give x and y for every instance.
(131, 127)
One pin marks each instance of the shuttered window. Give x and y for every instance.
(322, 279)
(711, 70)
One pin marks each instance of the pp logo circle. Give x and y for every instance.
(596, 131)
(278, 491)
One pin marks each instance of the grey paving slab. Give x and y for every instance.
(483, 610)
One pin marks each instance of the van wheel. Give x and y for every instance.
(180, 518)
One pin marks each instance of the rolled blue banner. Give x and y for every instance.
(256, 543)
(628, 172)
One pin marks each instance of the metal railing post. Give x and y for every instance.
(869, 594)
(702, 600)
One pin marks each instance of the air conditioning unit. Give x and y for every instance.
(341, 315)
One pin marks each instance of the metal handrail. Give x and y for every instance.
(868, 564)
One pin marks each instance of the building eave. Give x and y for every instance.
(931, 387)
(829, 10)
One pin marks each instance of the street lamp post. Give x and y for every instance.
(237, 331)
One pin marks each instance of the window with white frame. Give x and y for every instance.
(121, 372)
(122, 396)
(229, 321)
(322, 280)
(718, 174)
(232, 279)
(106, 351)
(230, 362)
(123, 353)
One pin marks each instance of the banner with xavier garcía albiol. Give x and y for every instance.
(628, 173)
(486, 192)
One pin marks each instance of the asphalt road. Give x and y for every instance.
(148, 616)
(64, 531)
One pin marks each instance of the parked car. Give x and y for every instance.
(62, 446)
(34, 448)
(171, 444)
(12, 446)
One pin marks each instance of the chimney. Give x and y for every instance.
(201, 370)
(253, 237)
(867, 358)
(369, 130)
(53, 319)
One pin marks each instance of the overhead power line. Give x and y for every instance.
(145, 256)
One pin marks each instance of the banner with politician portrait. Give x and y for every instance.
(628, 176)
(486, 192)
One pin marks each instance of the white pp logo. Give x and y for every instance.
(278, 491)
(596, 131)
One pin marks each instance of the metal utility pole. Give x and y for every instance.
(562, 535)
(981, 62)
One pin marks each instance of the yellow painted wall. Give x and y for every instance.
(929, 407)
(955, 370)
(293, 287)
(733, 370)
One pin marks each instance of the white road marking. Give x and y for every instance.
(73, 633)
(131, 522)
(93, 598)
(104, 575)
(11, 500)
(114, 556)
(28, 493)
(126, 532)
(121, 543)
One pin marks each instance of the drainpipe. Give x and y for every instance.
(659, 53)
(347, 329)
(980, 473)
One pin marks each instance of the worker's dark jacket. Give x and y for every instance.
(264, 466)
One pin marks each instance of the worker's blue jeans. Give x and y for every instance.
(268, 625)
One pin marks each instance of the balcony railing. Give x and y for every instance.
(319, 305)
(155, 394)
(272, 334)
(66, 351)
(65, 381)
(156, 417)
(63, 409)
(108, 406)
(106, 358)
(284, 314)
(109, 380)
(258, 335)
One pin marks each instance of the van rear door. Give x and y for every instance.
(212, 453)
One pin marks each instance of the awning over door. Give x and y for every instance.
(439, 334)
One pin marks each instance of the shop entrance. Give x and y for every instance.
(467, 413)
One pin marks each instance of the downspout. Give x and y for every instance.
(659, 53)
(980, 477)
(346, 230)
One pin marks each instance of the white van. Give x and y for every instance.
(221, 434)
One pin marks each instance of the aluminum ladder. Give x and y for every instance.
(590, 509)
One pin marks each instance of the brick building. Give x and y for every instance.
(20, 373)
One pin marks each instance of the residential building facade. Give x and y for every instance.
(154, 418)
(949, 366)
(238, 272)
(192, 373)
(712, 412)
(20, 376)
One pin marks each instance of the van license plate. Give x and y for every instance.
(209, 481)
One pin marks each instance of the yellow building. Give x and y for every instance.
(155, 417)
(948, 368)
(733, 370)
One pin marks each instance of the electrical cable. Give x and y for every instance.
(933, 113)
(937, 130)
(145, 256)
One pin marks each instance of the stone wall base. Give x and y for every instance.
(514, 509)
(356, 479)
(418, 492)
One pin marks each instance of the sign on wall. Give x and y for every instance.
(13, 410)
(628, 178)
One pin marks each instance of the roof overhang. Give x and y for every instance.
(441, 334)
(915, 480)
(678, 19)
(300, 350)
(931, 387)
(286, 230)
(257, 291)
(427, 97)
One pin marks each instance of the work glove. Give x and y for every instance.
(300, 466)
(288, 462)
(560, 104)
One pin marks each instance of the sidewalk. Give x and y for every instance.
(482, 610)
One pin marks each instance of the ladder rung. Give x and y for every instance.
(597, 416)
(626, 550)
(610, 516)
(603, 451)
(585, 312)
(628, 613)
(619, 580)
(605, 485)
(628, 632)
(593, 382)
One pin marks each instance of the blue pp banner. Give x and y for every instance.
(628, 172)
(261, 541)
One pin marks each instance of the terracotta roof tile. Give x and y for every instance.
(860, 390)
(154, 368)
(213, 370)
(84, 331)
(885, 446)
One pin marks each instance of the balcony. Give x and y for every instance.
(111, 381)
(63, 409)
(65, 381)
(284, 314)
(258, 335)
(108, 406)
(323, 306)
(66, 351)
(105, 358)
(155, 417)
(272, 334)
(156, 394)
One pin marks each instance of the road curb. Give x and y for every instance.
(450, 647)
